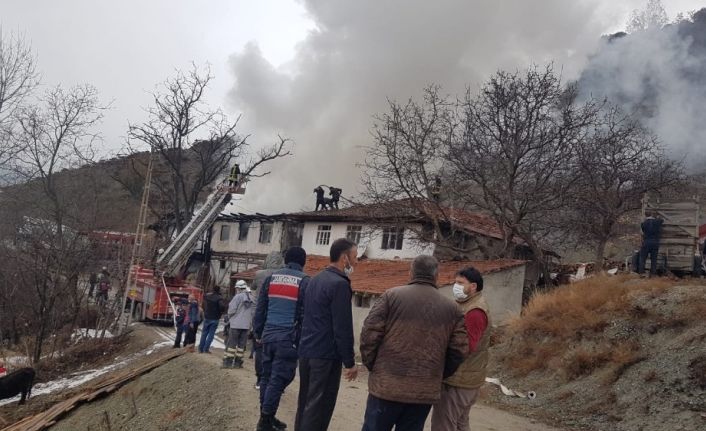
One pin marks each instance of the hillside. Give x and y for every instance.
(104, 195)
(618, 353)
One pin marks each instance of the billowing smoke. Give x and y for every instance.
(660, 75)
(362, 52)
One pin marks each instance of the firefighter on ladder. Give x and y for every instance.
(234, 176)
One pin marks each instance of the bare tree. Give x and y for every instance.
(653, 16)
(513, 158)
(18, 78)
(48, 254)
(196, 145)
(403, 170)
(615, 167)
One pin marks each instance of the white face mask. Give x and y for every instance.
(349, 268)
(458, 292)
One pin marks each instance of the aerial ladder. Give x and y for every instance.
(174, 258)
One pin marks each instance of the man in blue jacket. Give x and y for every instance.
(277, 325)
(327, 339)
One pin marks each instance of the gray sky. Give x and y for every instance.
(314, 70)
(126, 47)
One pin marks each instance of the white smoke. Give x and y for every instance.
(660, 75)
(362, 52)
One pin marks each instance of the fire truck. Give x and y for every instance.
(155, 300)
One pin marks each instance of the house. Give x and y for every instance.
(397, 230)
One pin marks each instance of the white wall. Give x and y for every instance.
(371, 239)
(222, 275)
(251, 245)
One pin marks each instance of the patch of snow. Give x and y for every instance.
(170, 334)
(15, 361)
(90, 333)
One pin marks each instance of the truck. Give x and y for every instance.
(679, 242)
(154, 299)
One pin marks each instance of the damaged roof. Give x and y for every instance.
(398, 211)
(375, 276)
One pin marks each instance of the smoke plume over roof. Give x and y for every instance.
(362, 52)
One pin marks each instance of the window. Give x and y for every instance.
(265, 233)
(323, 235)
(223, 264)
(243, 229)
(225, 232)
(353, 233)
(392, 238)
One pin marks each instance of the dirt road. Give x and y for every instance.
(192, 392)
(350, 408)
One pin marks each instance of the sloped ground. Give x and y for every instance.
(192, 393)
(182, 394)
(61, 377)
(610, 353)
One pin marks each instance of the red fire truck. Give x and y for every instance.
(153, 299)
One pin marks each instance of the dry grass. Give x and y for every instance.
(584, 306)
(563, 329)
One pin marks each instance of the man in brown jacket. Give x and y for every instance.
(412, 339)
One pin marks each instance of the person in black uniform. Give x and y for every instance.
(651, 233)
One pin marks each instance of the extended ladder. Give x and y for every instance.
(178, 252)
(135, 257)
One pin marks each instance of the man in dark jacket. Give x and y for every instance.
(277, 325)
(179, 320)
(327, 339)
(412, 339)
(191, 321)
(651, 234)
(273, 262)
(214, 306)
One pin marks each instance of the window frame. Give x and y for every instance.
(354, 233)
(244, 237)
(224, 235)
(394, 236)
(323, 234)
(270, 228)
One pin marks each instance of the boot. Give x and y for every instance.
(266, 423)
(227, 363)
(237, 363)
(278, 424)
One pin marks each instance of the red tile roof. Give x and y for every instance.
(374, 276)
(248, 274)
